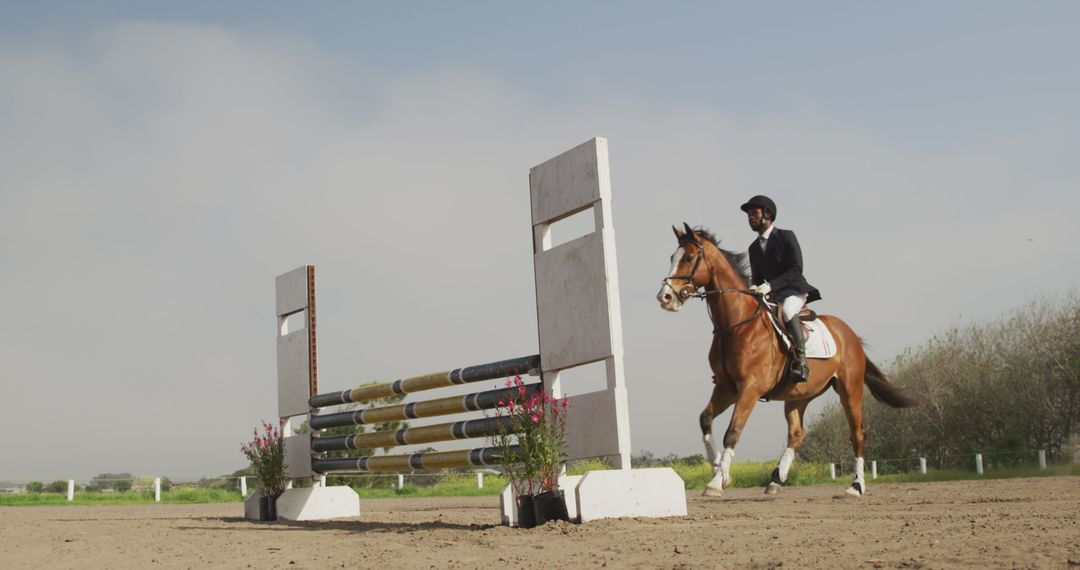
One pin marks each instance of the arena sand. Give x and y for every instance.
(1023, 523)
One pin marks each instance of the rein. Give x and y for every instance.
(757, 311)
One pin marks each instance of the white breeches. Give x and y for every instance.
(792, 305)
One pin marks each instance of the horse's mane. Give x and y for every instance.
(740, 262)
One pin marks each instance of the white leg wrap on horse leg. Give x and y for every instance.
(785, 463)
(860, 477)
(710, 452)
(725, 464)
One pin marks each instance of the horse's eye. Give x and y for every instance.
(686, 258)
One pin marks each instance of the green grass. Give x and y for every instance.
(176, 496)
(965, 474)
(449, 485)
(464, 484)
(756, 474)
(189, 496)
(696, 476)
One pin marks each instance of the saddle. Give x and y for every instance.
(777, 320)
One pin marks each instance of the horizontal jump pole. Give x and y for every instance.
(503, 368)
(426, 409)
(413, 462)
(465, 429)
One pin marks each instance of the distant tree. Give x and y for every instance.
(104, 481)
(122, 486)
(694, 459)
(166, 484)
(828, 438)
(214, 483)
(1005, 385)
(57, 487)
(230, 481)
(643, 459)
(35, 487)
(248, 471)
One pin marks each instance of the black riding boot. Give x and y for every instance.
(799, 367)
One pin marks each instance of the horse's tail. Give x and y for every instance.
(885, 392)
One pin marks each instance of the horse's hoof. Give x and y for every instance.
(855, 491)
(713, 492)
(772, 489)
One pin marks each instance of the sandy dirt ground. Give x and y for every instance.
(1017, 523)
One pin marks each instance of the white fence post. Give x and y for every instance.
(400, 482)
(922, 465)
(243, 486)
(322, 480)
(978, 464)
(873, 469)
(157, 489)
(1042, 459)
(479, 480)
(832, 471)
(71, 490)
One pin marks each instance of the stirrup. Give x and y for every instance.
(800, 371)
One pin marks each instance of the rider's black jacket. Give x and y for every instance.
(781, 266)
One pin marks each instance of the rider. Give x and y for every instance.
(776, 268)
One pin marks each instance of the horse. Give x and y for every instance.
(749, 362)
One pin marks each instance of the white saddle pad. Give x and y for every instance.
(820, 343)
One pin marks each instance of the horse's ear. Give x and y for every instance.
(689, 230)
(676, 230)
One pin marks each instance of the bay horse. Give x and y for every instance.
(748, 360)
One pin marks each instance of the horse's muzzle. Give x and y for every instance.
(669, 299)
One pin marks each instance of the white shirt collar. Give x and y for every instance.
(768, 232)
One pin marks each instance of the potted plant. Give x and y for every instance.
(531, 445)
(266, 453)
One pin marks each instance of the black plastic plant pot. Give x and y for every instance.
(526, 511)
(267, 508)
(550, 506)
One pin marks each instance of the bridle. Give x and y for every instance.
(692, 291)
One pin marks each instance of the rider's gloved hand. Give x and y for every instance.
(762, 289)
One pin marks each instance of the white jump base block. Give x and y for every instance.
(318, 503)
(618, 493)
(647, 493)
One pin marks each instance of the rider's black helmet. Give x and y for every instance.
(762, 202)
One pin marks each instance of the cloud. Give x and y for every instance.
(156, 177)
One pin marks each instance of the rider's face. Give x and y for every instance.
(756, 218)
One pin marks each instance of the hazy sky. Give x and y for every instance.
(162, 162)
